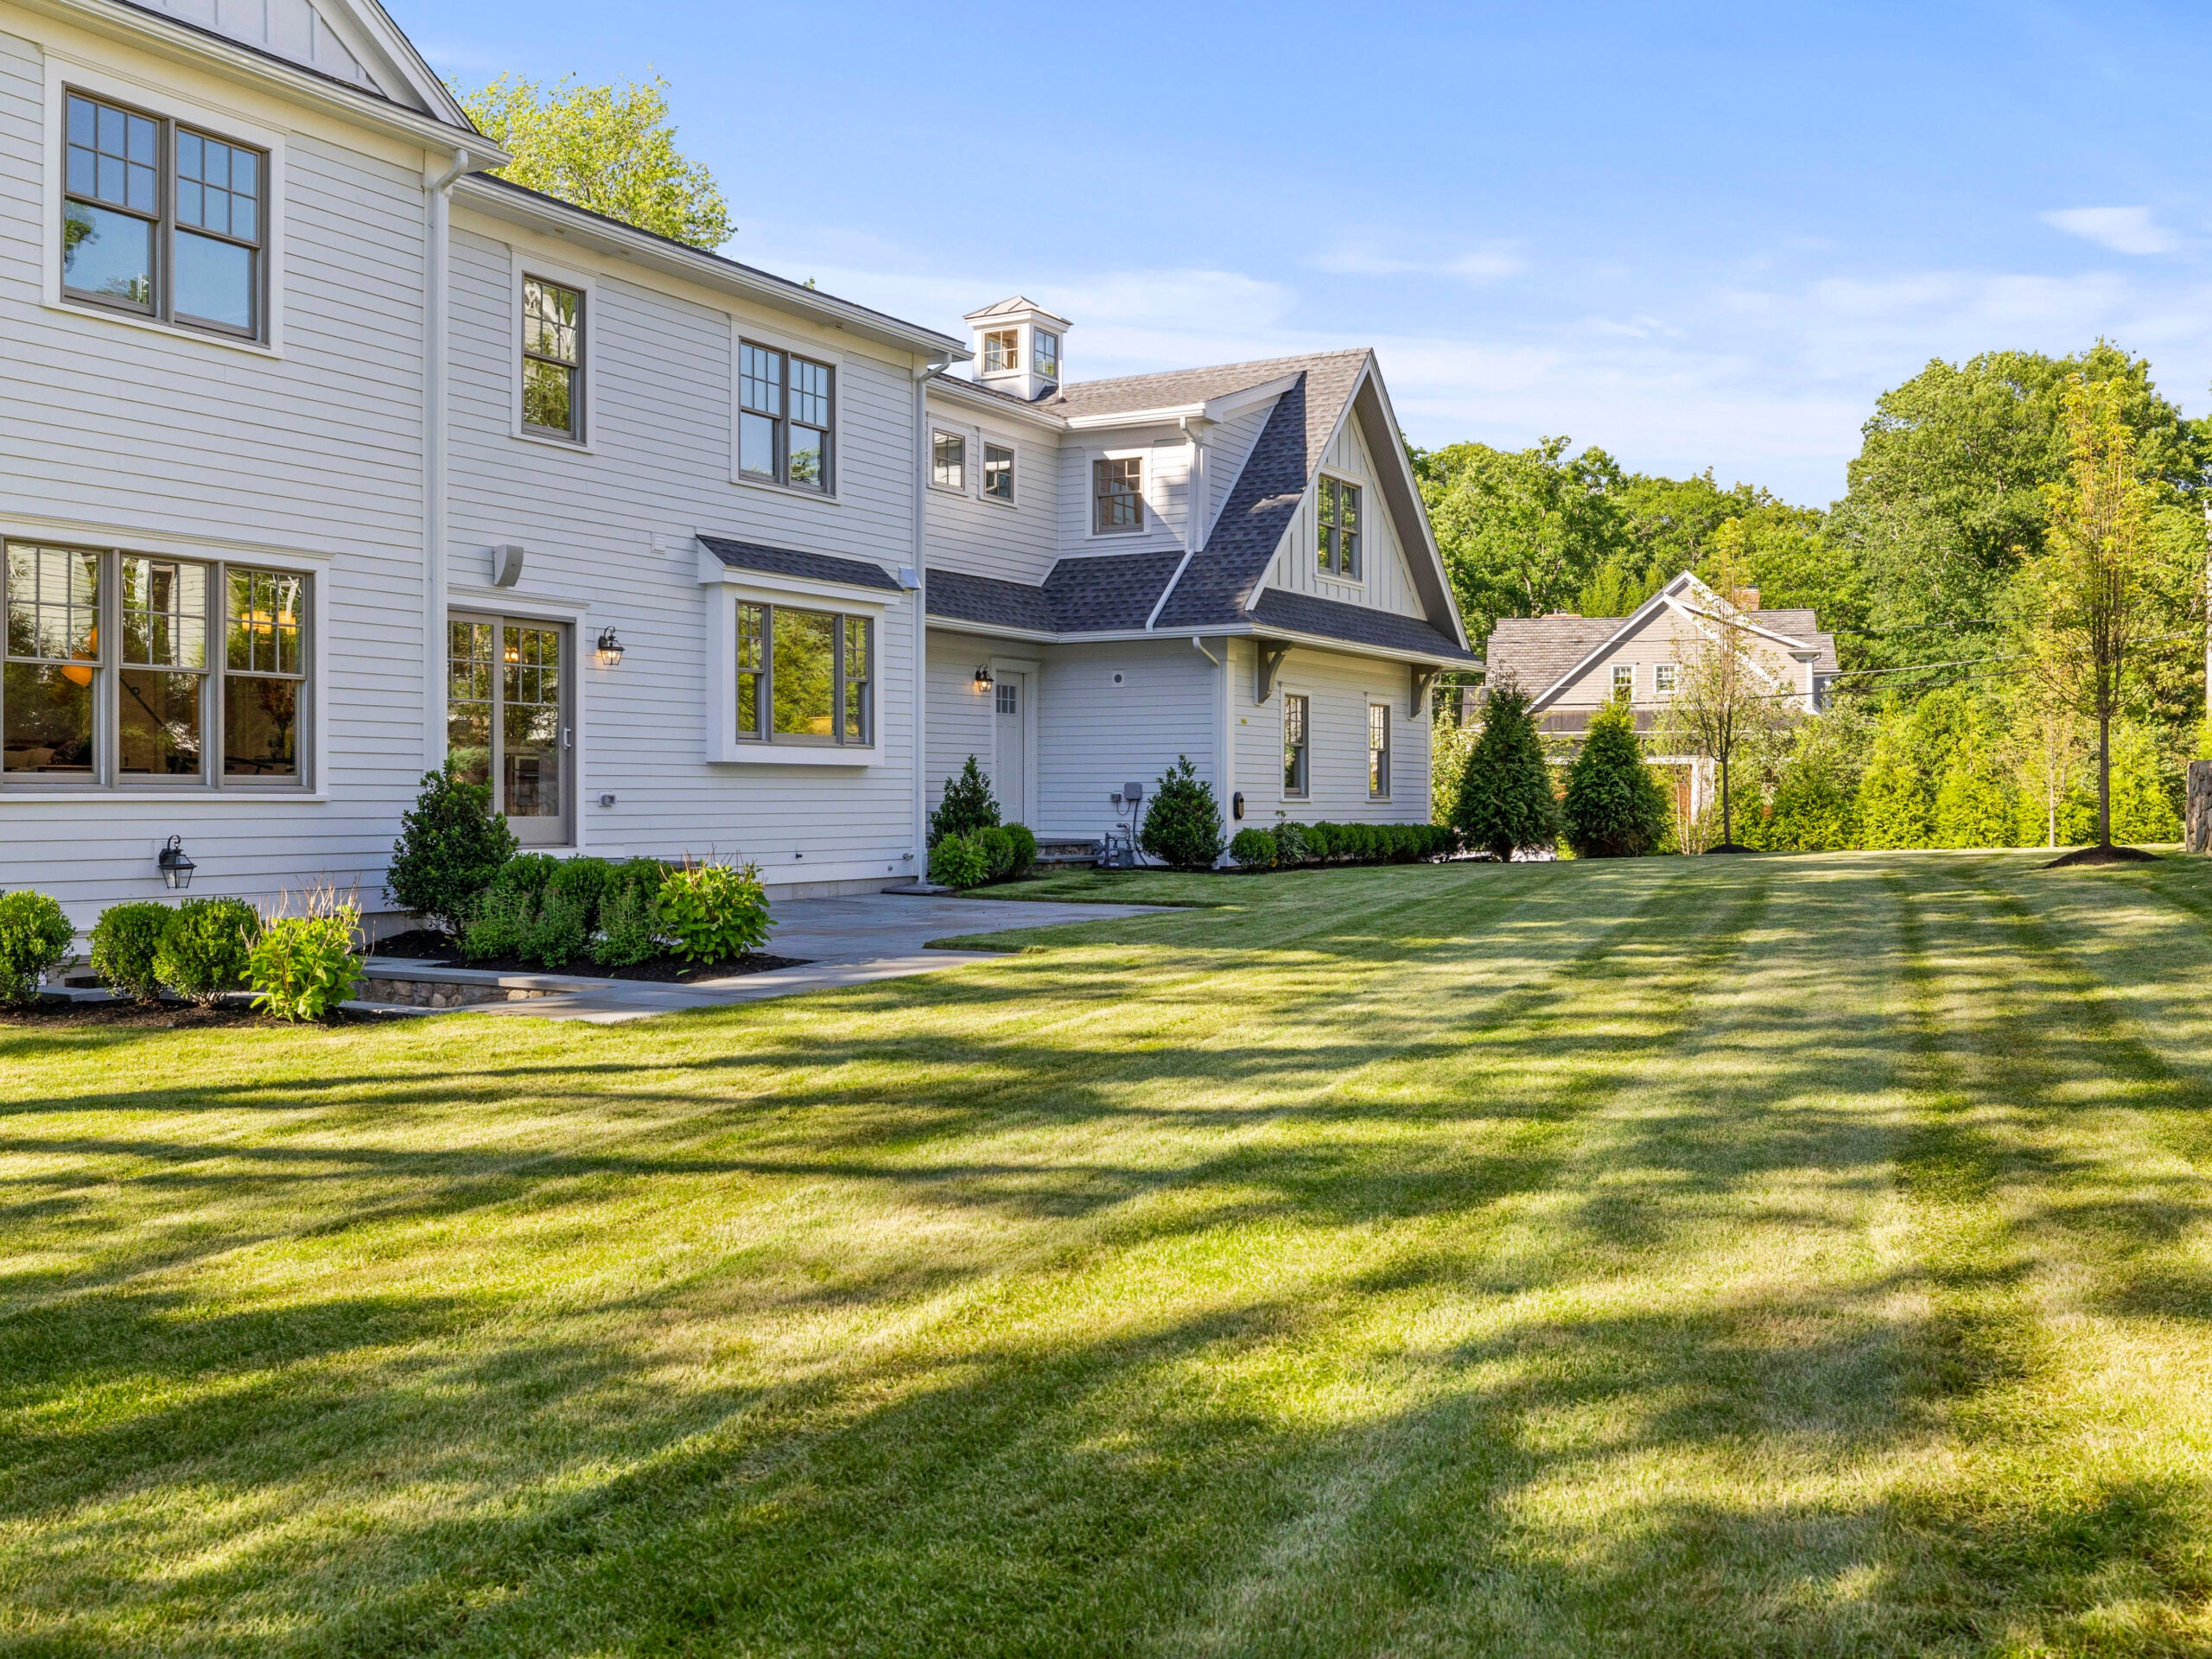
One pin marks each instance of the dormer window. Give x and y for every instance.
(1117, 494)
(1002, 350)
(1047, 350)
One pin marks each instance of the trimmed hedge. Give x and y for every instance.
(1291, 846)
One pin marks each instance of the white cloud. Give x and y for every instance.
(2124, 229)
(1482, 264)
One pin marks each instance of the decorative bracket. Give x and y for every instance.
(1423, 678)
(1270, 659)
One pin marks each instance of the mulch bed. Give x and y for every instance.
(2103, 855)
(55, 1015)
(433, 949)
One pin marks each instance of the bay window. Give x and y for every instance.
(110, 678)
(805, 676)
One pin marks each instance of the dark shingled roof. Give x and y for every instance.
(960, 597)
(1355, 625)
(789, 561)
(1111, 591)
(1534, 651)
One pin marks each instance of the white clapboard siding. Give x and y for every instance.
(970, 532)
(1167, 494)
(1338, 689)
(658, 467)
(1386, 583)
(124, 431)
(1093, 735)
(960, 716)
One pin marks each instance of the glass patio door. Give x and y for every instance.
(507, 720)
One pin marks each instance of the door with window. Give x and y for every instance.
(1010, 774)
(508, 722)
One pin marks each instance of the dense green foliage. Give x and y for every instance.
(451, 845)
(1253, 849)
(610, 149)
(124, 941)
(998, 851)
(204, 949)
(1182, 822)
(959, 862)
(966, 806)
(1506, 804)
(629, 915)
(713, 912)
(35, 938)
(1025, 848)
(301, 967)
(1614, 808)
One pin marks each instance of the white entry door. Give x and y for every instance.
(1010, 767)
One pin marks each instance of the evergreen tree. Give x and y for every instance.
(1813, 796)
(968, 806)
(2141, 808)
(1893, 810)
(1976, 805)
(1614, 807)
(1506, 804)
(1182, 822)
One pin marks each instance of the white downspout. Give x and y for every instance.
(437, 235)
(920, 856)
(1224, 731)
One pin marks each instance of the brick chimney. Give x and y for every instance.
(1746, 599)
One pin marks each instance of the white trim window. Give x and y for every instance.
(163, 221)
(552, 359)
(1623, 679)
(805, 676)
(122, 669)
(1662, 679)
(1044, 352)
(1296, 723)
(786, 408)
(1336, 513)
(1379, 751)
(1117, 495)
(1001, 351)
(998, 472)
(948, 461)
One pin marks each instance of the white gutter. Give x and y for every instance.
(922, 375)
(436, 237)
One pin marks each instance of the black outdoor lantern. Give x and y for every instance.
(176, 869)
(983, 681)
(610, 648)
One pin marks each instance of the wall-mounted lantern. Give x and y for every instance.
(176, 869)
(610, 648)
(983, 681)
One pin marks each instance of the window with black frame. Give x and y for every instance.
(1336, 509)
(161, 219)
(552, 359)
(805, 676)
(998, 472)
(785, 417)
(1117, 495)
(1293, 746)
(1378, 750)
(110, 678)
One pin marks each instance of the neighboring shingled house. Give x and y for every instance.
(1231, 564)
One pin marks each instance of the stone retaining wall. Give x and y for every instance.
(437, 994)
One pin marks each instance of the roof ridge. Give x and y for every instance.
(1301, 358)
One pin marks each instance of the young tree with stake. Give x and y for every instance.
(1724, 696)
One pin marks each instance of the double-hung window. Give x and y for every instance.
(1001, 351)
(1623, 679)
(552, 359)
(1117, 496)
(998, 471)
(1293, 747)
(163, 221)
(1379, 751)
(123, 669)
(1337, 509)
(805, 676)
(785, 418)
(1662, 679)
(948, 460)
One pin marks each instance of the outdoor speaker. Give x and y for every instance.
(506, 564)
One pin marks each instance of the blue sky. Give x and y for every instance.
(1696, 237)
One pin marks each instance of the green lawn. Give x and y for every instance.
(1683, 1256)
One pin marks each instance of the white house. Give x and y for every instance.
(327, 457)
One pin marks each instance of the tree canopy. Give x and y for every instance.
(608, 148)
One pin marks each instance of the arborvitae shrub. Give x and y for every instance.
(968, 806)
(1506, 804)
(1614, 807)
(1182, 826)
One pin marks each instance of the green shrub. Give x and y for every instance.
(587, 880)
(1183, 824)
(1506, 804)
(958, 862)
(558, 932)
(204, 949)
(629, 930)
(968, 806)
(1254, 848)
(530, 873)
(449, 848)
(35, 939)
(998, 851)
(711, 913)
(1614, 807)
(1321, 841)
(125, 940)
(503, 918)
(1291, 846)
(301, 967)
(1025, 848)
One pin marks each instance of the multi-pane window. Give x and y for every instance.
(1337, 509)
(552, 358)
(998, 471)
(1117, 495)
(948, 460)
(784, 418)
(1047, 347)
(161, 219)
(1001, 351)
(110, 678)
(1293, 746)
(1623, 679)
(1379, 749)
(804, 677)
(1662, 679)
(506, 719)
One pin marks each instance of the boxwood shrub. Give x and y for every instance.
(1253, 849)
(204, 949)
(125, 940)
(35, 939)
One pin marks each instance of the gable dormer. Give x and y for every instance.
(1018, 347)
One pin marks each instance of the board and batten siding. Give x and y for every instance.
(1386, 583)
(609, 526)
(1339, 686)
(970, 532)
(120, 435)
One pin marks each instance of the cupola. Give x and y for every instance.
(1018, 347)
